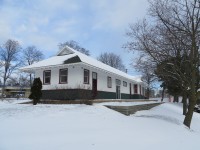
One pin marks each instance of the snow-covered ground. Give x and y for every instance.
(75, 127)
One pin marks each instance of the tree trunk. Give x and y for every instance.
(192, 100)
(163, 91)
(34, 102)
(148, 93)
(30, 80)
(2, 91)
(3, 88)
(194, 75)
(184, 101)
(175, 98)
(189, 114)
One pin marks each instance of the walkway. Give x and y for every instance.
(128, 110)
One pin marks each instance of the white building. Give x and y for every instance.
(73, 75)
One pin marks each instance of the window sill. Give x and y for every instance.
(63, 82)
(85, 83)
(46, 83)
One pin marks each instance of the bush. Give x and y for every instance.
(36, 91)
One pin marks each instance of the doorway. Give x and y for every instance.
(130, 90)
(118, 93)
(94, 85)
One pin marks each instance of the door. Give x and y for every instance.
(118, 93)
(130, 90)
(94, 85)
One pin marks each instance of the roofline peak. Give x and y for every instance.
(66, 50)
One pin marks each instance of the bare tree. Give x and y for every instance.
(9, 59)
(175, 86)
(112, 60)
(146, 68)
(31, 55)
(175, 32)
(21, 80)
(74, 45)
(12, 81)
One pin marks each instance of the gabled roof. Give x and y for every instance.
(68, 55)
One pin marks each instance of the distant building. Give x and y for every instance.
(16, 91)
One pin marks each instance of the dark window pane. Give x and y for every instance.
(47, 73)
(118, 82)
(47, 77)
(63, 72)
(63, 79)
(85, 79)
(124, 84)
(47, 80)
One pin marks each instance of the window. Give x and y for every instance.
(118, 82)
(63, 75)
(47, 77)
(109, 82)
(86, 76)
(124, 83)
(94, 75)
(135, 89)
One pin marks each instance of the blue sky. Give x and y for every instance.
(97, 25)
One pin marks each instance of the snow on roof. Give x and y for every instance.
(67, 53)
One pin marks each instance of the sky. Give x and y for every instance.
(97, 25)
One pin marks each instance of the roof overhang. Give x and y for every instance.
(32, 70)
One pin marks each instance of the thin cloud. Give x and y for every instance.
(45, 23)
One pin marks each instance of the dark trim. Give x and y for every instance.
(44, 77)
(73, 94)
(60, 76)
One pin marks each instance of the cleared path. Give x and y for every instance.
(128, 110)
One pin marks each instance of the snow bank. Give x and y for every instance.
(50, 127)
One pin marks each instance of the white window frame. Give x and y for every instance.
(86, 76)
(109, 82)
(64, 75)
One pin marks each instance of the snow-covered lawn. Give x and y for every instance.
(75, 127)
